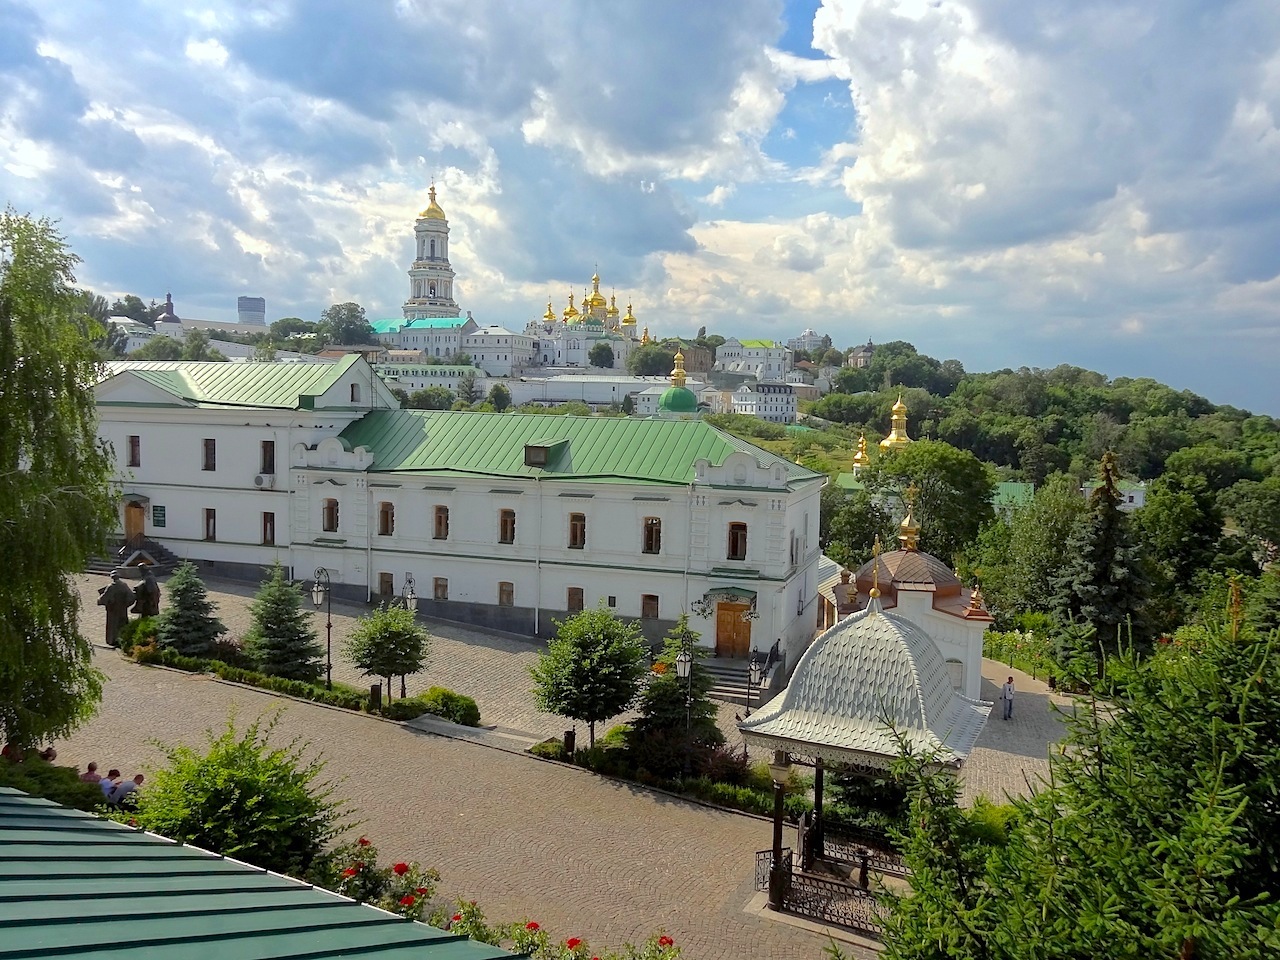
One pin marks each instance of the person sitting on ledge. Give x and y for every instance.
(91, 774)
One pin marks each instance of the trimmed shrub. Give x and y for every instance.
(447, 705)
(59, 784)
(137, 632)
(552, 749)
(616, 736)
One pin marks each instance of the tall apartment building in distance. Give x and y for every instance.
(252, 310)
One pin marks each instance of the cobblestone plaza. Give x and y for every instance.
(581, 854)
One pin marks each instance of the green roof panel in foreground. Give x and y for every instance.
(598, 449)
(72, 884)
(218, 384)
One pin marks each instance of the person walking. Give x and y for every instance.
(1006, 695)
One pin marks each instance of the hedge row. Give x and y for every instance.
(438, 700)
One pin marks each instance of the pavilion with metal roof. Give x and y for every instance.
(74, 884)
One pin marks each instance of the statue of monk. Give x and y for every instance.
(147, 595)
(116, 597)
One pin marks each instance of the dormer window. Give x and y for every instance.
(535, 456)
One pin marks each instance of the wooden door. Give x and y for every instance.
(733, 633)
(135, 520)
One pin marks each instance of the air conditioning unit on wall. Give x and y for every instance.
(265, 481)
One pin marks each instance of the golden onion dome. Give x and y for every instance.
(899, 407)
(570, 311)
(613, 305)
(645, 337)
(550, 314)
(629, 318)
(433, 211)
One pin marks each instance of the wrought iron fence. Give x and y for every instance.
(834, 902)
(824, 899)
(764, 861)
(849, 847)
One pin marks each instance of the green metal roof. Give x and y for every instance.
(758, 344)
(73, 884)
(1013, 493)
(849, 481)
(217, 384)
(600, 449)
(432, 323)
(387, 324)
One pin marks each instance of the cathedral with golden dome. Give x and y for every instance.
(565, 338)
(430, 275)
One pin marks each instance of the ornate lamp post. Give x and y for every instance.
(322, 595)
(684, 670)
(779, 771)
(755, 674)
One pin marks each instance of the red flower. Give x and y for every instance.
(456, 917)
(573, 943)
(665, 941)
(401, 869)
(532, 925)
(408, 900)
(349, 872)
(363, 841)
(423, 891)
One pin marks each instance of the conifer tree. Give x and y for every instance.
(1103, 583)
(281, 641)
(187, 625)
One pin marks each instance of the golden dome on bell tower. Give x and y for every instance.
(898, 433)
(433, 211)
(550, 314)
(613, 305)
(630, 317)
(571, 312)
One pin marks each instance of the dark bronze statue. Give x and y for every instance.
(147, 595)
(116, 597)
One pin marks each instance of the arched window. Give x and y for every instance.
(433, 248)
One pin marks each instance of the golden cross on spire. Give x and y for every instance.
(875, 569)
(910, 496)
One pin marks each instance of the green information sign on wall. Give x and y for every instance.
(157, 515)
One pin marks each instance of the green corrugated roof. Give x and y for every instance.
(72, 884)
(600, 449)
(387, 324)
(278, 385)
(757, 344)
(1012, 493)
(433, 323)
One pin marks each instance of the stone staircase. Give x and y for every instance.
(731, 680)
(130, 556)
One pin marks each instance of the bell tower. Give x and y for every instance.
(431, 277)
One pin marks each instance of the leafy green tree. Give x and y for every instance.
(131, 306)
(187, 624)
(856, 523)
(651, 360)
(158, 347)
(286, 327)
(196, 345)
(387, 643)
(1255, 507)
(955, 490)
(1156, 837)
(468, 389)
(591, 669)
(401, 395)
(244, 798)
(55, 485)
(601, 355)
(500, 397)
(1103, 582)
(1039, 539)
(280, 640)
(1179, 528)
(345, 323)
(432, 398)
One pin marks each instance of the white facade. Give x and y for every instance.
(595, 390)
(772, 402)
(418, 376)
(211, 482)
(497, 350)
(761, 359)
(808, 341)
(1132, 495)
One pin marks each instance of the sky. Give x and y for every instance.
(1005, 182)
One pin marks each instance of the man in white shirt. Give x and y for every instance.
(1006, 695)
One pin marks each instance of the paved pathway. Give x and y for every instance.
(583, 855)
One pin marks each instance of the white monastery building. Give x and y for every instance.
(508, 520)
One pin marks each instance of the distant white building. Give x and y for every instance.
(808, 341)
(595, 390)
(437, 337)
(761, 359)
(771, 402)
(411, 377)
(136, 333)
(1133, 495)
(431, 276)
(497, 350)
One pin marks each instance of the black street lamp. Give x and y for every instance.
(684, 670)
(755, 674)
(322, 595)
